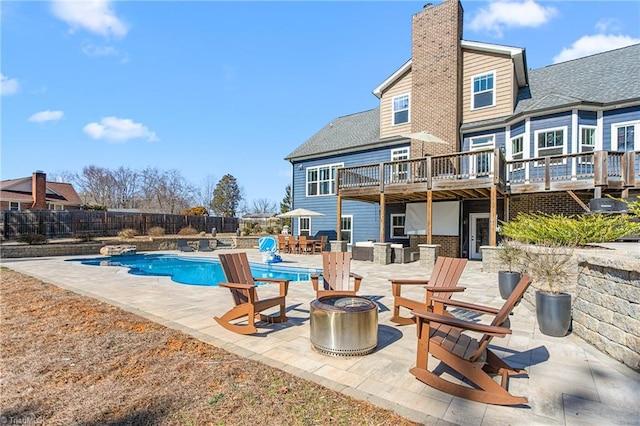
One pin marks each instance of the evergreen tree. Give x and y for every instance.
(226, 197)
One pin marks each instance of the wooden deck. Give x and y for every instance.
(475, 174)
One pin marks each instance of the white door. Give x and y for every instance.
(478, 233)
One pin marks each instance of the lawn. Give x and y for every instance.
(70, 359)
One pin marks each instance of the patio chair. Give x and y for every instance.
(338, 280)
(283, 244)
(268, 246)
(245, 296)
(444, 338)
(203, 245)
(304, 246)
(321, 244)
(183, 246)
(443, 282)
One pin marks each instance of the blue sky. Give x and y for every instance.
(210, 88)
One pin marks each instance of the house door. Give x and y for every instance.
(478, 233)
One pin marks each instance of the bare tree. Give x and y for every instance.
(204, 192)
(96, 184)
(263, 205)
(125, 187)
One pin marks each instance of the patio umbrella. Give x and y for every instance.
(423, 136)
(300, 213)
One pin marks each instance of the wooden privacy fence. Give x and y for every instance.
(77, 223)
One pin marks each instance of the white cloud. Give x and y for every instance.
(8, 86)
(95, 16)
(501, 14)
(118, 130)
(610, 25)
(95, 51)
(42, 116)
(592, 44)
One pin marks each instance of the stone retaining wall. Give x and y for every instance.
(606, 309)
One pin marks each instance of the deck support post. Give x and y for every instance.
(493, 216)
(339, 219)
(382, 216)
(429, 216)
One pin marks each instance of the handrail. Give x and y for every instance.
(601, 166)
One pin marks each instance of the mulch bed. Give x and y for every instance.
(70, 359)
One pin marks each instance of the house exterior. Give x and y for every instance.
(35, 193)
(465, 136)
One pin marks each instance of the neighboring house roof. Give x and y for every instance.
(20, 190)
(598, 80)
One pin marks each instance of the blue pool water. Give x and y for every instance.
(193, 270)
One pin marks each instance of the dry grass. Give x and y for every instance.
(70, 359)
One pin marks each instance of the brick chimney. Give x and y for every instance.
(436, 67)
(39, 190)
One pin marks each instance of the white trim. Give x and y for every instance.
(15, 202)
(393, 111)
(491, 48)
(391, 227)
(600, 130)
(574, 130)
(580, 144)
(300, 228)
(550, 129)
(493, 90)
(473, 160)
(636, 139)
(391, 79)
(507, 137)
(350, 217)
(322, 166)
(473, 254)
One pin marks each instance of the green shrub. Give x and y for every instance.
(245, 231)
(156, 231)
(127, 233)
(188, 230)
(535, 228)
(256, 229)
(32, 239)
(268, 230)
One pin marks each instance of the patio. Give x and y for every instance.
(569, 381)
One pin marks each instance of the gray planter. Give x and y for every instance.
(507, 281)
(553, 311)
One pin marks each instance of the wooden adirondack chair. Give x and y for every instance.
(443, 282)
(337, 276)
(245, 297)
(444, 337)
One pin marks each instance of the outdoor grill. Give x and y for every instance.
(344, 325)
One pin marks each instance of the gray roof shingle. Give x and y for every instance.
(346, 132)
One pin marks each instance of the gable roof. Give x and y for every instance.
(20, 190)
(341, 135)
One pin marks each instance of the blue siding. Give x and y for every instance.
(517, 129)
(549, 122)
(499, 134)
(365, 216)
(587, 118)
(617, 116)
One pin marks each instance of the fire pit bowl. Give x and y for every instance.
(344, 325)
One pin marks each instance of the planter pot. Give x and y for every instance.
(507, 281)
(553, 311)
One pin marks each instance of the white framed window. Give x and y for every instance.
(304, 226)
(321, 180)
(483, 94)
(517, 151)
(400, 172)
(346, 228)
(55, 206)
(480, 164)
(397, 226)
(14, 205)
(551, 142)
(587, 143)
(624, 136)
(400, 109)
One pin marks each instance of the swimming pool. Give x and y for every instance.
(193, 270)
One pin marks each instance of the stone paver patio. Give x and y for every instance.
(569, 382)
